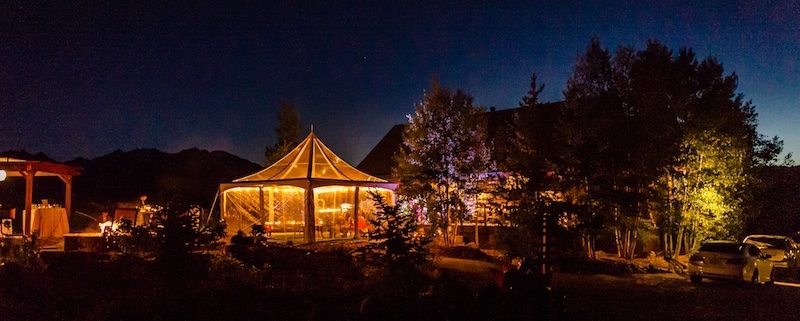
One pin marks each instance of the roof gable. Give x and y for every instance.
(310, 159)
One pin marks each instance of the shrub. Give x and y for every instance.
(397, 240)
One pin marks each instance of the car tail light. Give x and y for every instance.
(737, 260)
(697, 258)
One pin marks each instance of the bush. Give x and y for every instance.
(397, 240)
(173, 233)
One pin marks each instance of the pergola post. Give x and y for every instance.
(26, 220)
(67, 193)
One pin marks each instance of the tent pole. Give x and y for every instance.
(67, 193)
(261, 204)
(311, 222)
(355, 216)
(211, 211)
(271, 206)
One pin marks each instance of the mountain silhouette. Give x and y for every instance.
(191, 176)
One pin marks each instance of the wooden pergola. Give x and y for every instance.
(28, 169)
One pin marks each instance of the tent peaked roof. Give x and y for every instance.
(310, 160)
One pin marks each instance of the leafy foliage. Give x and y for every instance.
(173, 233)
(250, 250)
(600, 168)
(656, 137)
(444, 155)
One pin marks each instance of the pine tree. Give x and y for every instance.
(287, 133)
(397, 235)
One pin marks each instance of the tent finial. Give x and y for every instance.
(312, 127)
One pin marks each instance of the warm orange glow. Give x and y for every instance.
(333, 189)
(279, 189)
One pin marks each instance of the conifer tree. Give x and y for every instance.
(287, 133)
(397, 235)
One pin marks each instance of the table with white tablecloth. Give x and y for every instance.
(51, 223)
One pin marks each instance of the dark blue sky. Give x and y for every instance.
(86, 79)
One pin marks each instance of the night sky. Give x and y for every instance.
(87, 79)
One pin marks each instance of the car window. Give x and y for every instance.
(721, 247)
(767, 241)
(752, 251)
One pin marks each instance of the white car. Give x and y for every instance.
(730, 260)
(783, 250)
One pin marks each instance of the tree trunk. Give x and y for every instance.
(587, 242)
(626, 241)
(477, 234)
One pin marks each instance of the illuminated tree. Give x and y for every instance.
(704, 192)
(659, 136)
(287, 133)
(444, 154)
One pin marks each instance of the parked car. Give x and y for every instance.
(730, 260)
(784, 250)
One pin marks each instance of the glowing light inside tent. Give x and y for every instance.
(332, 189)
(3, 175)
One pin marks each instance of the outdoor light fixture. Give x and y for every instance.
(106, 227)
(3, 175)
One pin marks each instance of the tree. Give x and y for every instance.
(397, 236)
(287, 133)
(707, 190)
(656, 135)
(651, 87)
(529, 177)
(594, 154)
(443, 157)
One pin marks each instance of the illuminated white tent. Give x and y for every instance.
(309, 184)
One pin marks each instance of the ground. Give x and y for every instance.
(650, 296)
(311, 284)
(667, 296)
